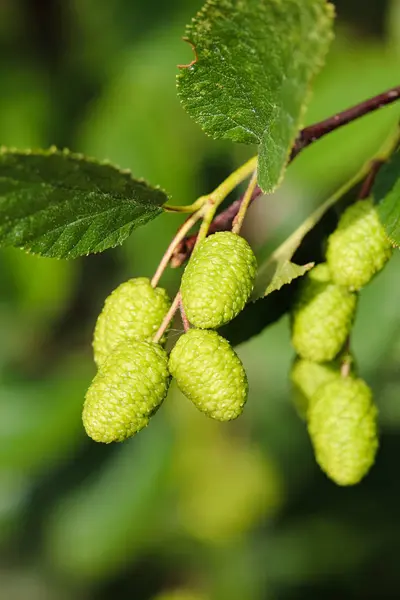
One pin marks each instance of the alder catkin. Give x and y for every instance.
(218, 280)
(322, 316)
(133, 311)
(342, 423)
(209, 372)
(129, 387)
(359, 247)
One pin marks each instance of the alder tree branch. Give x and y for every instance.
(315, 132)
(222, 222)
(309, 135)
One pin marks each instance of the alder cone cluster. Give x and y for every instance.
(338, 407)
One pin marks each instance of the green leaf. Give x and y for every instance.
(278, 273)
(251, 76)
(62, 205)
(386, 193)
(285, 273)
(278, 269)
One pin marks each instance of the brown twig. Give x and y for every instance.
(369, 181)
(309, 135)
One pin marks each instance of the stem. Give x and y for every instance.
(311, 134)
(205, 226)
(182, 231)
(167, 319)
(221, 192)
(222, 222)
(345, 368)
(369, 181)
(185, 320)
(238, 220)
(188, 208)
(234, 179)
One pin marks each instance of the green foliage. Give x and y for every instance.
(386, 193)
(285, 273)
(251, 76)
(219, 510)
(63, 205)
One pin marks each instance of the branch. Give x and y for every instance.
(222, 222)
(309, 135)
(369, 181)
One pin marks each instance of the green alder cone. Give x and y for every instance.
(133, 311)
(359, 247)
(322, 316)
(127, 390)
(342, 423)
(218, 280)
(209, 372)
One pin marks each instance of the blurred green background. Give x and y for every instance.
(219, 512)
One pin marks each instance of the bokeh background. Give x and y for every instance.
(221, 512)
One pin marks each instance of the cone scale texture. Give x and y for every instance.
(359, 248)
(210, 374)
(322, 317)
(342, 423)
(133, 311)
(218, 280)
(127, 390)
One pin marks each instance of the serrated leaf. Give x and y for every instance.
(62, 205)
(386, 193)
(250, 80)
(285, 273)
(278, 269)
